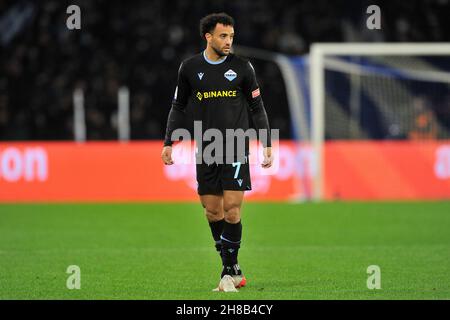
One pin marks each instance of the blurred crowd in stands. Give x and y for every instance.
(140, 44)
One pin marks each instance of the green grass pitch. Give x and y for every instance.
(165, 251)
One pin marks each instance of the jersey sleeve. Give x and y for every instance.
(182, 90)
(178, 110)
(258, 113)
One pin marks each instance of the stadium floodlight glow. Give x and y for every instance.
(320, 60)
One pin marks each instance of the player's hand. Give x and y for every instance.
(268, 158)
(166, 155)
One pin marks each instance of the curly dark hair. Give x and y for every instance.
(208, 23)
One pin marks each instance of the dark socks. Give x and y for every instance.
(217, 230)
(232, 271)
(231, 242)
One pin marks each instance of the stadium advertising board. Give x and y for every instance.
(111, 171)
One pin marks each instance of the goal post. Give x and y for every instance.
(322, 58)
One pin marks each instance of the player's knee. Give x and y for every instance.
(213, 213)
(231, 205)
(232, 212)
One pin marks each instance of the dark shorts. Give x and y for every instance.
(215, 178)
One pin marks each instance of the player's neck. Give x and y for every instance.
(212, 55)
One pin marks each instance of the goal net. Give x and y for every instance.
(377, 92)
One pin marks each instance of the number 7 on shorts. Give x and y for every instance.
(238, 165)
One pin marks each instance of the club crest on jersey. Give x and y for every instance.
(230, 75)
(200, 75)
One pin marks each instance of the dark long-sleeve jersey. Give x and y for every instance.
(222, 93)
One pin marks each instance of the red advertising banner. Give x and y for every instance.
(403, 170)
(112, 171)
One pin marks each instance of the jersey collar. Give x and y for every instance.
(213, 62)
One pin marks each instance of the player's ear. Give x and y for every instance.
(208, 36)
